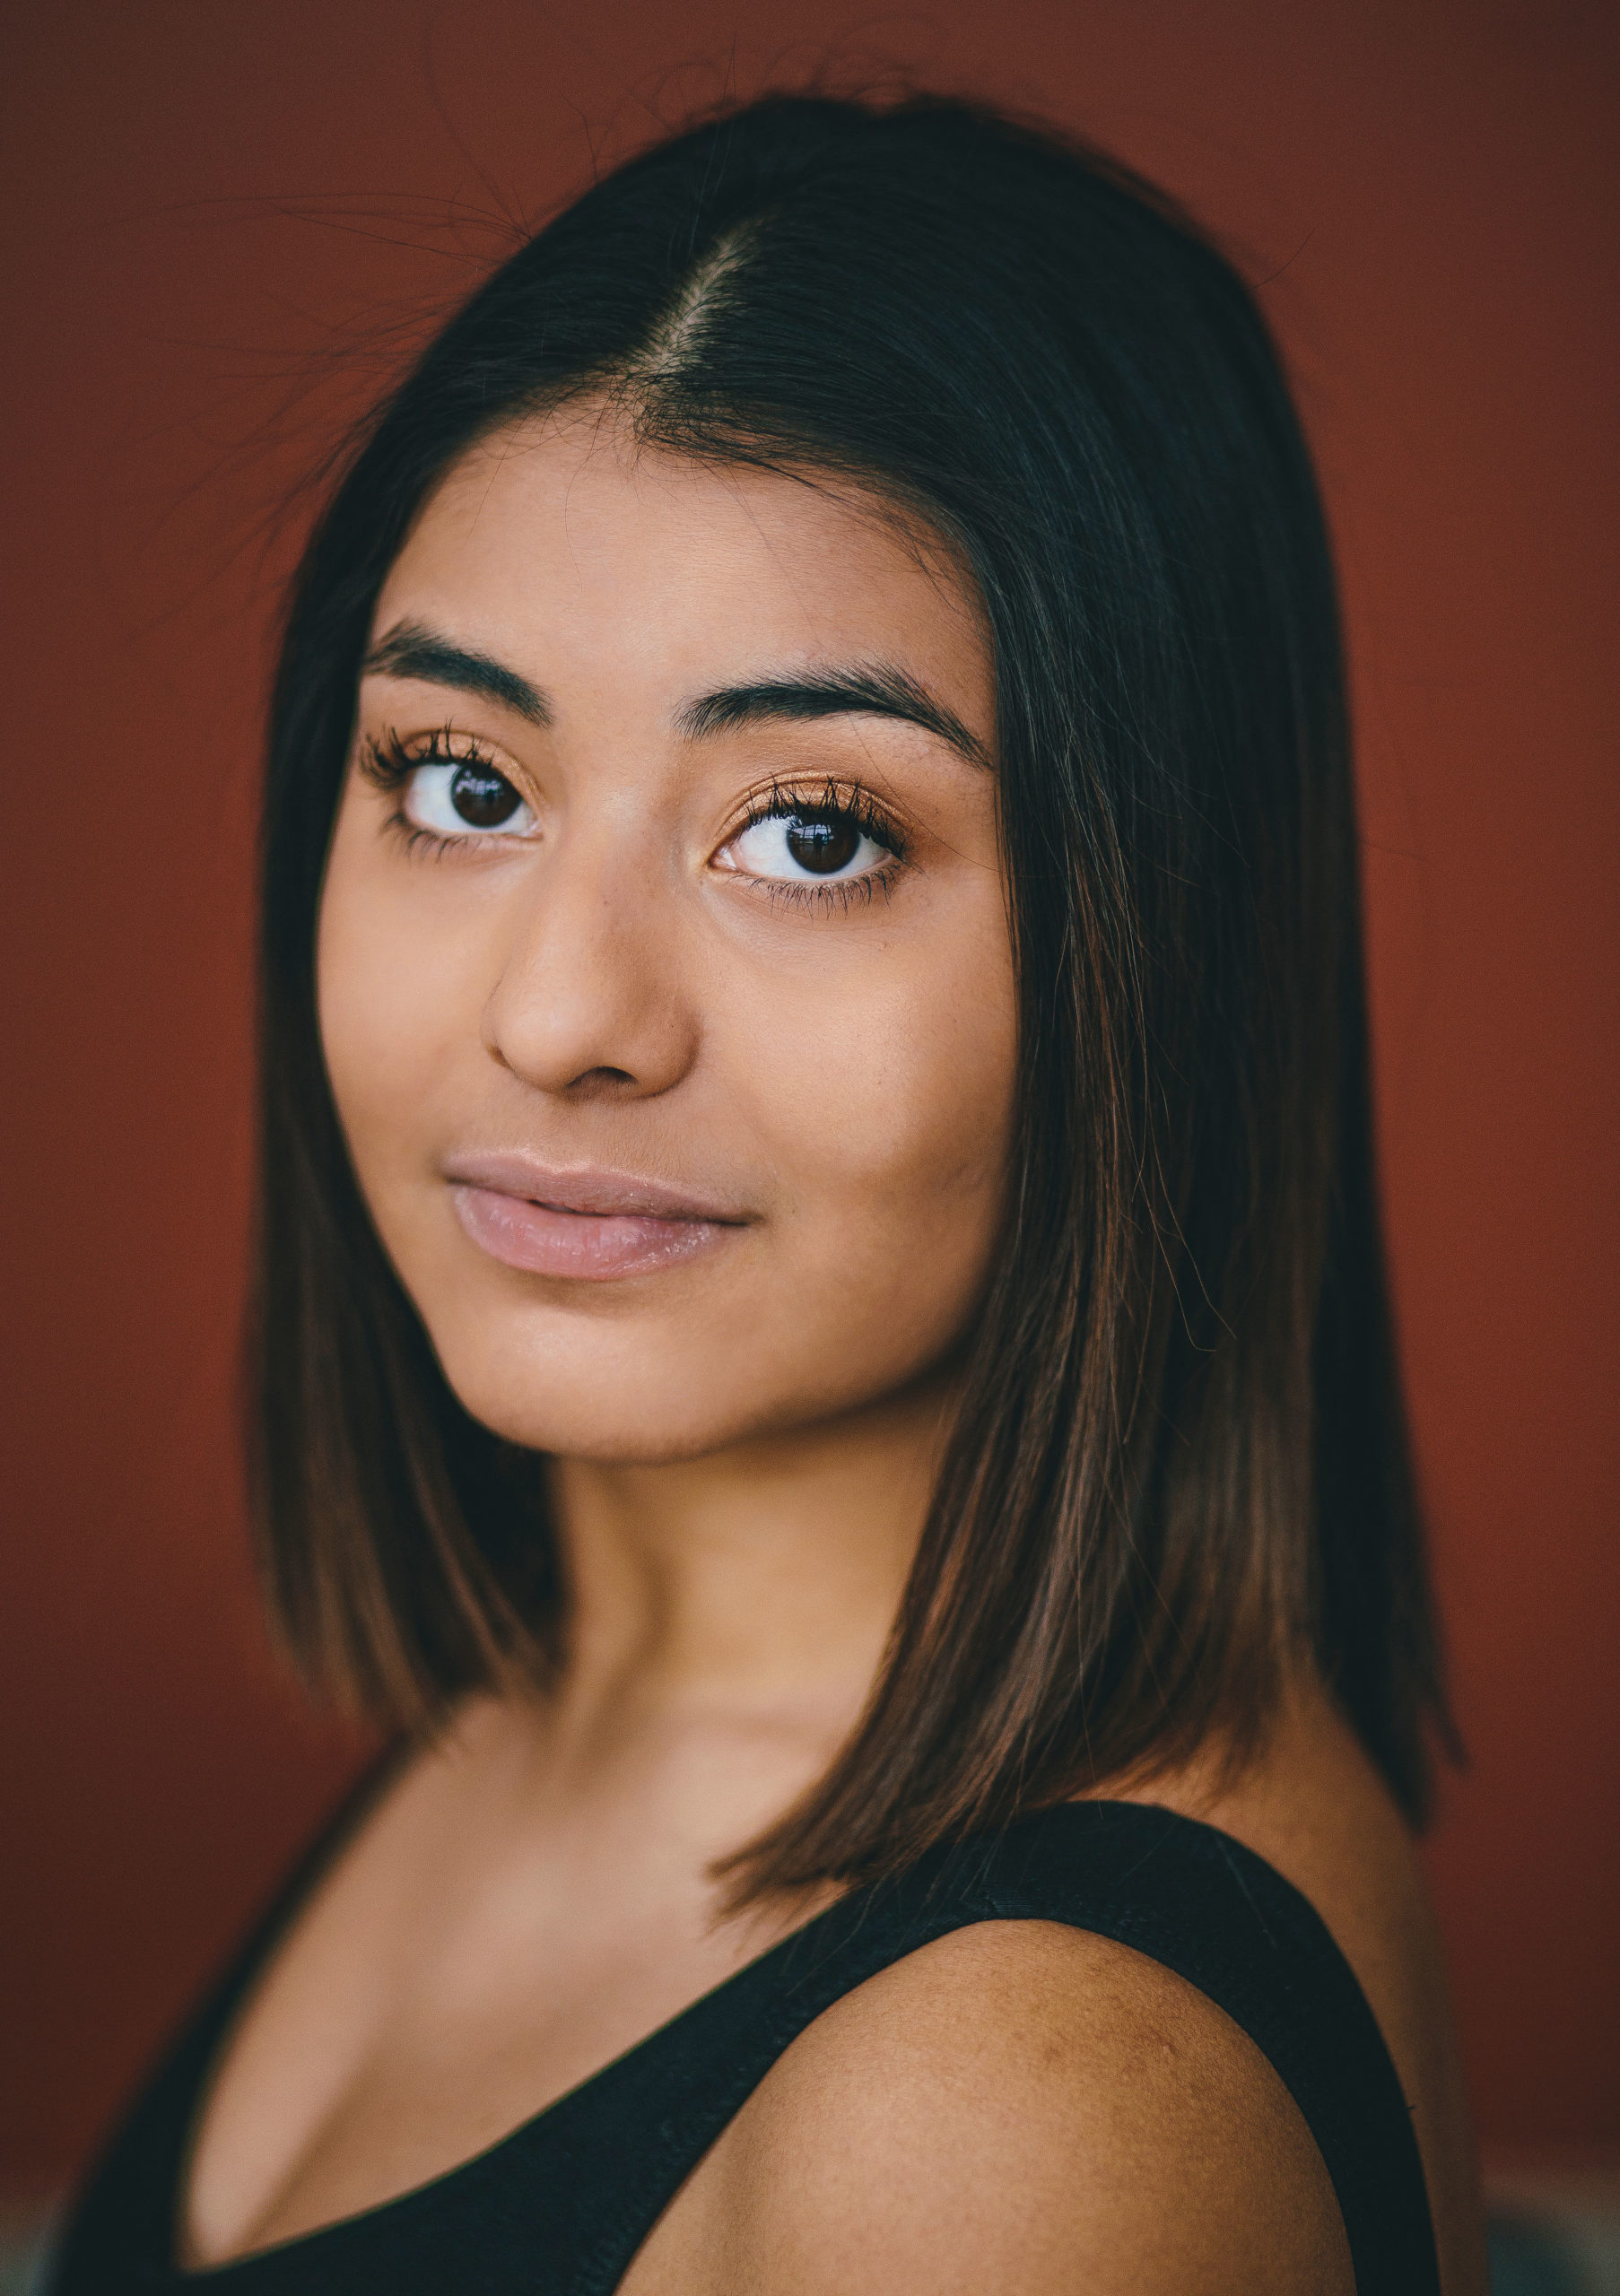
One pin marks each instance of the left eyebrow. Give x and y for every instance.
(876, 690)
(411, 651)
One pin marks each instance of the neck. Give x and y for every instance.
(763, 1579)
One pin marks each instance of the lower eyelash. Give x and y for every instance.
(418, 840)
(840, 893)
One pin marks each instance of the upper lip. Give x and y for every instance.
(588, 1189)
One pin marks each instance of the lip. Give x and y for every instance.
(582, 1221)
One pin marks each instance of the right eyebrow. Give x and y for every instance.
(411, 651)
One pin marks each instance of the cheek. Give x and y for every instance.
(890, 1116)
(397, 1003)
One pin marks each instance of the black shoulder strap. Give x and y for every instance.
(1182, 1893)
(561, 2206)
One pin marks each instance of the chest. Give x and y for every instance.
(372, 2059)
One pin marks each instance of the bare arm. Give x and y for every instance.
(1018, 2108)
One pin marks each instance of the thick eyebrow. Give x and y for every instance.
(875, 689)
(409, 651)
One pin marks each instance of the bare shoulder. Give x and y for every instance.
(1314, 1807)
(1017, 2107)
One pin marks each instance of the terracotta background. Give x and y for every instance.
(225, 223)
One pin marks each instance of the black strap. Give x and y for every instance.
(1182, 1893)
(561, 2206)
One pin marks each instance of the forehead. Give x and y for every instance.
(562, 545)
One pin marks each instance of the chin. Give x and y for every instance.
(653, 1382)
(653, 1414)
(660, 1404)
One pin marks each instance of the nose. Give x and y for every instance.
(589, 1002)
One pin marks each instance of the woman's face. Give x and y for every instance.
(665, 983)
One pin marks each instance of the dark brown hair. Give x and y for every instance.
(1180, 1465)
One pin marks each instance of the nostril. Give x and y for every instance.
(593, 1083)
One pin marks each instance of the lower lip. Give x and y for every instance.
(589, 1246)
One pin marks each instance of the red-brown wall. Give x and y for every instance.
(226, 222)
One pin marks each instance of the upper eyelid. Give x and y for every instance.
(391, 756)
(826, 793)
(419, 747)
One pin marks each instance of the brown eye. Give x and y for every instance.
(824, 845)
(465, 799)
(791, 848)
(482, 798)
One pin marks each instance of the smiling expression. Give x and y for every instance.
(666, 983)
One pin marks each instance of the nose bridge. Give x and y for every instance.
(591, 982)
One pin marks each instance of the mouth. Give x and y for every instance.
(582, 1223)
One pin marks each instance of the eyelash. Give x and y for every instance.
(389, 762)
(837, 801)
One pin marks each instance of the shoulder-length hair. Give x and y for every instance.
(1180, 1468)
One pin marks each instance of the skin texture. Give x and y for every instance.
(834, 1064)
(1026, 2107)
(1018, 2106)
(741, 1439)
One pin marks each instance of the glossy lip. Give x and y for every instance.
(581, 1222)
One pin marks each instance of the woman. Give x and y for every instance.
(822, 1351)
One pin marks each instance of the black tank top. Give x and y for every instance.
(560, 2207)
